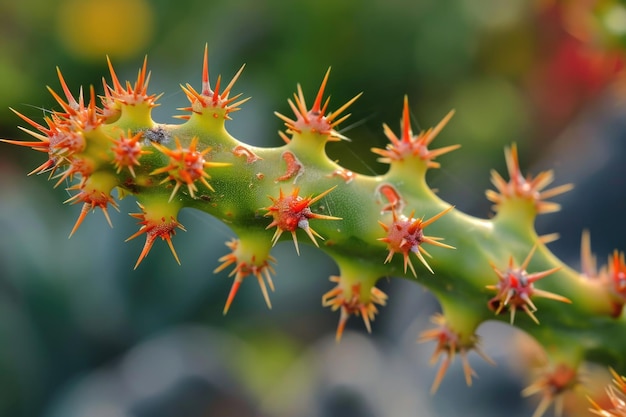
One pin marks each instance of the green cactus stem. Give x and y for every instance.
(479, 269)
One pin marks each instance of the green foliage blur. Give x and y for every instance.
(82, 334)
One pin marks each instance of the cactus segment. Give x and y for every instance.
(116, 150)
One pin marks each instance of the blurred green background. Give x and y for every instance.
(82, 334)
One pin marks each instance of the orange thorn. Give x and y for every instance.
(150, 238)
(83, 213)
(231, 295)
(318, 100)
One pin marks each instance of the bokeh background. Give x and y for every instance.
(83, 335)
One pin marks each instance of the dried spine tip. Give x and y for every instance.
(406, 235)
(247, 264)
(290, 212)
(186, 166)
(528, 188)
(351, 301)
(515, 289)
(449, 343)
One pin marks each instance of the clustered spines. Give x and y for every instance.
(293, 212)
(451, 342)
(210, 101)
(118, 95)
(405, 235)
(612, 276)
(315, 120)
(552, 385)
(515, 288)
(94, 192)
(156, 220)
(186, 166)
(409, 146)
(616, 394)
(530, 189)
(248, 261)
(127, 151)
(351, 297)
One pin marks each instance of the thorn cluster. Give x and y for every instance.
(162, 227)
(409, 145)
(612, 275)
(351, 302)
(617, 396)
(260, 268)
(186, 166)
(129, 95)
(405, 235)
(91, 198)
(449, 343)
(63, 139)
(212, 98)
(552, 386)
(127, 150)
(316, 119)
(526, 188)
(292, 212)
(515, 289)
